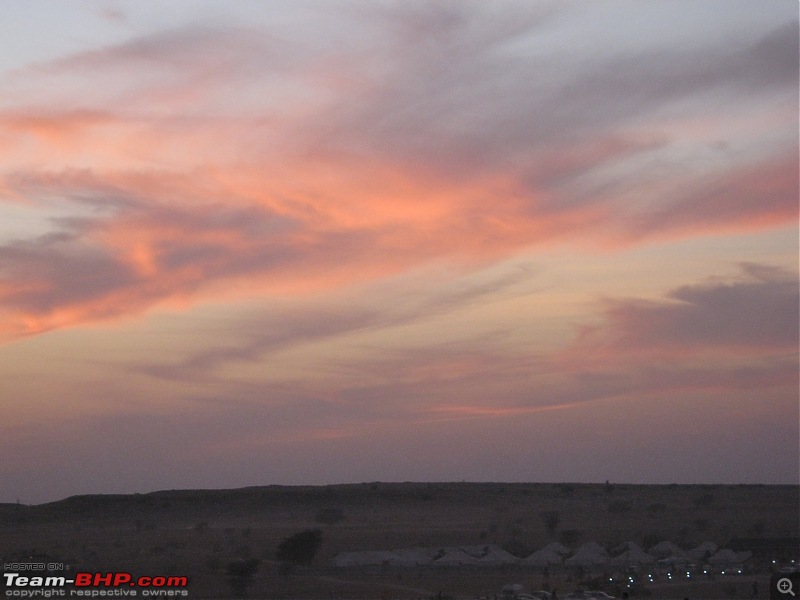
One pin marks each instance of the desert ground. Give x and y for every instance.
(201, 533)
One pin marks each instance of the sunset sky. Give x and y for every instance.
(285, 242)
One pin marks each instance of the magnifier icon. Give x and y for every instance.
(785, 586)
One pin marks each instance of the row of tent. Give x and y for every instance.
(589, 555)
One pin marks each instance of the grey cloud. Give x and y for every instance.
(746, 314)
(620, 87)
(57, 270)
(460, 100)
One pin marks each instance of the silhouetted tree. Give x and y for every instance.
(300, 548)
(551, 520)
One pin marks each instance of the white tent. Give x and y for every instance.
(702, 551)
(494, 555)
(542, 558)
(557, 548)
(667, 550)
(592, 547)
(631, 554)
(408, 558)
(454, 557)
(589, 554)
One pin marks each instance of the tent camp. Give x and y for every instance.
(587, 555)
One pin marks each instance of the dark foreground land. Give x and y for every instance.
(206, 535)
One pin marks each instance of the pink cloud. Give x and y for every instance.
(210, 156)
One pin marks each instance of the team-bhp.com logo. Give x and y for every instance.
(94, 585)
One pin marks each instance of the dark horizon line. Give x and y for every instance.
(464, 482)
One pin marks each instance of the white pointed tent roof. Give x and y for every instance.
(706, 548)
(494, 555)
(456, 556)
(632, 554)
(666, 549)
(591, 553)
(557, 548)
(542, 558)
(592, 547)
